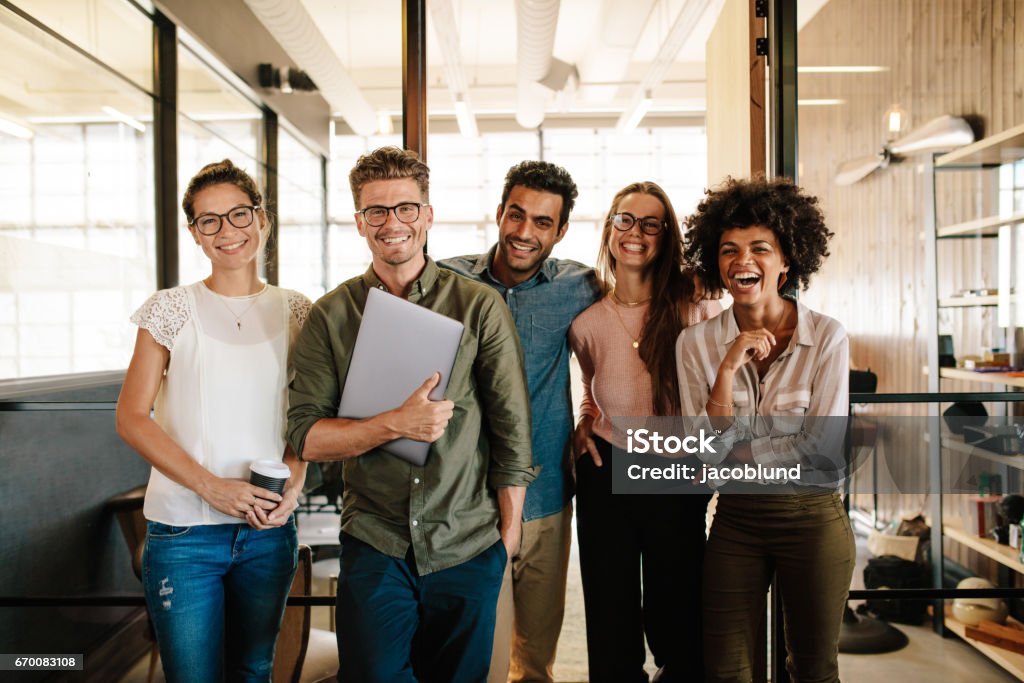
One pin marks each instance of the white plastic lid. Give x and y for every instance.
(271, 468)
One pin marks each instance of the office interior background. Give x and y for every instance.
(107, 107)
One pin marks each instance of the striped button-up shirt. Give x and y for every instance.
(795, 415)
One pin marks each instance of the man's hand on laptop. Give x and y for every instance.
(422, 419)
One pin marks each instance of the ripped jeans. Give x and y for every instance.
(216, 595)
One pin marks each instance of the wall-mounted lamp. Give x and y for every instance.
(895, 121)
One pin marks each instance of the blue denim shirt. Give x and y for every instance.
(543, 307)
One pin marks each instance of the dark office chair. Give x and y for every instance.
(127, 507)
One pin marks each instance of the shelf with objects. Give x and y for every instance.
(974, 234)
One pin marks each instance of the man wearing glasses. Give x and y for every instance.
(423, 549)
(544, 295)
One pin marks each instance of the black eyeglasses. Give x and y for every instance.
(649, 225)
(406, 212)
(211, 223)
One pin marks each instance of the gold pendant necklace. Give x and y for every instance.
(237, 316)
(629, 304)
(636, 339)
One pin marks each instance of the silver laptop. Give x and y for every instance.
(398, 347)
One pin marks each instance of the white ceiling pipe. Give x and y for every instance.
(294, 29)
(676, 37)
(536, 21)
(447, 32)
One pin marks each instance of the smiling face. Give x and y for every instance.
(230, 248)
(633, 248)
(395, 243)
(527, 232)
(751, 263)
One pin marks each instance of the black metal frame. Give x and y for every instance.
(165, 148)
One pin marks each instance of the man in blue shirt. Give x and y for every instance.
(544, 295)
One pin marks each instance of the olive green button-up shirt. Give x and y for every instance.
(446, 510)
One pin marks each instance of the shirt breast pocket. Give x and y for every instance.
(794, 401)
(547, 332)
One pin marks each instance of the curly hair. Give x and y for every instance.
(221, 172)
(669, 287)
(389, 163)
(543, 176)
(777, 204)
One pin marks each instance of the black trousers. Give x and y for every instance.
(641, 560)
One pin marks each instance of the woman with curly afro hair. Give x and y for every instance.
(770, 377)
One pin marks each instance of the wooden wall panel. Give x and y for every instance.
(962, 57)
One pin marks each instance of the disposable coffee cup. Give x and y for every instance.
(269, 474)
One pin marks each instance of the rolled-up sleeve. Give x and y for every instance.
(504, 396)
(314, 392)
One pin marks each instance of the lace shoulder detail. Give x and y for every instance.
(299, 305)
(164, 315)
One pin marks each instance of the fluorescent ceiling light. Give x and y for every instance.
(841, 69)
(124, 118)
(467, 122)
(225, 118)
(820, 103)
(642, 107)
(15, 130)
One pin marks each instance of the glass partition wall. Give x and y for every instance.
(77, 225)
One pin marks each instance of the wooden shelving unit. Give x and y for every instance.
(1011, 661)
(1003, 554)
(1001, 148)
(1000, 378)
(968, 301)
(956, 444)
(982, 157)
(979, 225)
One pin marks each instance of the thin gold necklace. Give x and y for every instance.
(238, 316)
(636, 339)
(629, 304)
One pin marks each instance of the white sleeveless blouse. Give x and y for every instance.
(224, 395)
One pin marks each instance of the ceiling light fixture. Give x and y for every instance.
(15, 130)
(841, 69)
(820, 103)
(124, 118)
(628, 123)
(467, 122)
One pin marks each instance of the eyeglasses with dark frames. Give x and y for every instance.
(649, 225)
(406, 212)
(211, 223)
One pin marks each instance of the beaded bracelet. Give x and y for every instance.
(720, 405)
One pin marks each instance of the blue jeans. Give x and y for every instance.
(395, 626)
(216, 595)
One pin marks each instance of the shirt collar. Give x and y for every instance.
(420, 286)
(803, 335)
(547, 272)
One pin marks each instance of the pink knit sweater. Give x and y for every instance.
(615, 380)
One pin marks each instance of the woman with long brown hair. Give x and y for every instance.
(625, 345)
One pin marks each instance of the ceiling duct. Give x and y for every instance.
(447, 31)
(294, 29)
(536, 22)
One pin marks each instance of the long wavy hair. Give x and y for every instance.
(669, 288)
